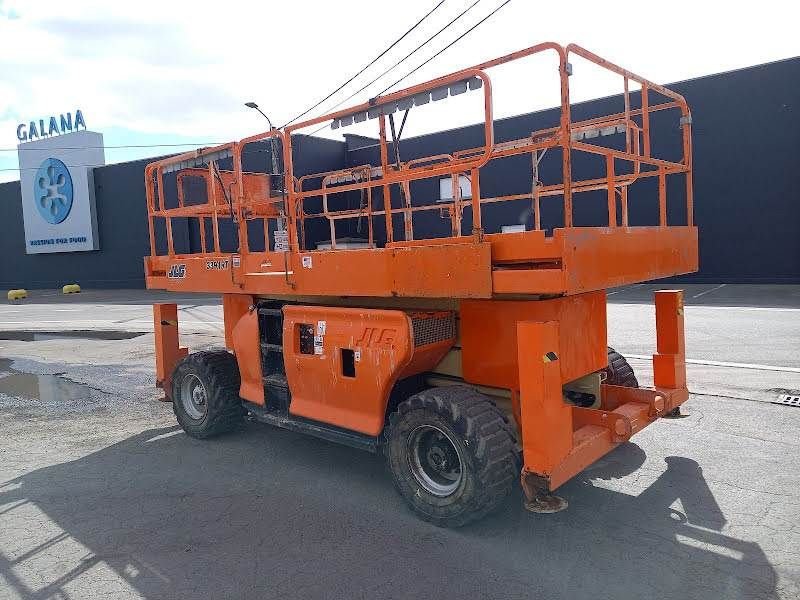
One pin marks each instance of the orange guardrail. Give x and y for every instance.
(285, 197)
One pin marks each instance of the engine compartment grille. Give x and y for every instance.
(433, 328)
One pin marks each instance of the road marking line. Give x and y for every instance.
(627, 287)
(720, 286)
(710, 307)
(745, 308)
(735, 365)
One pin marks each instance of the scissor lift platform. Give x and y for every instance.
(571, 261)
(322, 338)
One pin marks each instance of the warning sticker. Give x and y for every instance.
(318, 344)
(321, 327)
(281, 238)
(306, 262)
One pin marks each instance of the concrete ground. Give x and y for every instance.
(101, 494)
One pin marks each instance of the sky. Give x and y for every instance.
(147, 73)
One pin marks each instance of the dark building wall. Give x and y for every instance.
(746, 141)
(122, 225)
(122, 229)
(747, 173)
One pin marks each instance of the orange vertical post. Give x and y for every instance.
(566, 140)
(627, 97)
(387, 192)
(477, 226)
(612, 191)
(168, 350)
(546, 420)
(151, 208)
(687, 159)
(624, 205)
(669, 364)
(537, 221)
(662, 197)
(646, 118)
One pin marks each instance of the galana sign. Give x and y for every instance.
(50, 127)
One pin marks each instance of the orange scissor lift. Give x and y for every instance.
(467, 359)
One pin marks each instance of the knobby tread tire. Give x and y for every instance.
(219, 372)
(487, 445)
(618, 371)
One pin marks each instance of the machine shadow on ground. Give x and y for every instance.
(269, 513)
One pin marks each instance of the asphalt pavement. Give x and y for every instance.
(102, 495)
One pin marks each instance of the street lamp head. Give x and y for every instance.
(263, 114)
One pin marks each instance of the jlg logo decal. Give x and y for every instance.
(177, 271)
(376, 337)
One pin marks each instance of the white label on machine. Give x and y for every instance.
(306, 262)
(318, 340)
(281, 238)
(321, 327)
(357, 356)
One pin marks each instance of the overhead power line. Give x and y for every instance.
(68, 166)
(458, 39)
(402, 60)
(417, 68)
(249, 152)
(372, 62)
(386, 72)
(193, 144)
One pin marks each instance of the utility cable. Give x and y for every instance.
(192, 144)
(374, 60)
(458, 39)
(402, 60)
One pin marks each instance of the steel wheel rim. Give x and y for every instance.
(434, 460)
(193, 397)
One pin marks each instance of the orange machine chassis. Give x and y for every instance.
(531, 305)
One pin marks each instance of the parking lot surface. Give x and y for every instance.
(102, 495)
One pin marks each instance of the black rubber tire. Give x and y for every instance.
(485, 443)
(618, 371)
(219, 374)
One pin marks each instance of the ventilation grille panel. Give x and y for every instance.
(429, 330)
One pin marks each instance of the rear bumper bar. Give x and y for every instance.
(560, 440)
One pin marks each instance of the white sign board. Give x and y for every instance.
(58, 205)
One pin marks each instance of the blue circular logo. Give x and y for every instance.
(52, 190)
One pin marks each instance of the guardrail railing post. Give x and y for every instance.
(612, 192)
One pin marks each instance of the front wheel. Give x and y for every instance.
(205, 394)
(452, 455)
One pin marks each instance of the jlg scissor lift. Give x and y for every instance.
(469, 360)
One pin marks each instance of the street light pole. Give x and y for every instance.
(255, 106)
(271, 140)
(281, 221)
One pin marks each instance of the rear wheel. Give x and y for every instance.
(618, 371)
(205, 394)
(452, 455)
